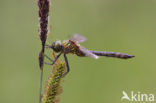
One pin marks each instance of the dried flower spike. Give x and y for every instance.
(43, 18)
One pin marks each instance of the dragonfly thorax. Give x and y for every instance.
(57, 46)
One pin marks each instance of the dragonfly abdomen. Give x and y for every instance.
(112, 54)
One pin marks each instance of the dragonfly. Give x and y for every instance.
(72, 46)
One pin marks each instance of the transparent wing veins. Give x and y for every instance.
(88, 53)
(78, 38)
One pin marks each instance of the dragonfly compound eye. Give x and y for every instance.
(57, 46)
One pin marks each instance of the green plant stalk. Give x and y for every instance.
(40, 86)
(53, 85)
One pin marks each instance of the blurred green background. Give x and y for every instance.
(127, 26)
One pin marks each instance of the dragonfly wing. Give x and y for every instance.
(78, 38)
(88, 53)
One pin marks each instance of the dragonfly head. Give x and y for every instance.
(57, 46)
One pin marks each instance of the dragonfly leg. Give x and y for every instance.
(67, 66)
(53, 62)
(47, 46)
(48, 58)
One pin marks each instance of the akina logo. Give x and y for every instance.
(137, 96)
